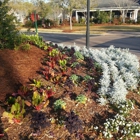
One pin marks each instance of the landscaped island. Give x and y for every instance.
(76, 93)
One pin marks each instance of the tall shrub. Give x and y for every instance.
(101, 17)
(8, 31)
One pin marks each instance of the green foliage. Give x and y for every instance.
(11, 100)
(59, 104)
(74, 78)
(36, 83)
(62, 64)
(8, 32)
(40, 97)
(29, 24)
(37, 40)
(81, 98)
(53, 53)
(97, 66)
(47, 22)
(87, 77)
(17, 109)
(32, 39)
(74, 64)
(24, 47)
(101, 17)
(82, 21)
(79, 55)
(37, 99)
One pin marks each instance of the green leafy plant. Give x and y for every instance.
(81, 98)
(74, 78)
(36, 84)
(37, 40)
(75, 65)
(87, 77)
(26, 47)
(59, 104)
(62, 64)
(78, 55)
(33, 39)
(97, 66)
(17, 110)
(39, 100)
(53, 53)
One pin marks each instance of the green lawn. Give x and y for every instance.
(105, 27)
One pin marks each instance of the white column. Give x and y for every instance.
(110, 16)
(135, 15)
(130, 15)
(76, 15)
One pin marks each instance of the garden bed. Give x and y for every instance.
(68, 106)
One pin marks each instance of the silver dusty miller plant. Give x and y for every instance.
(119, 71)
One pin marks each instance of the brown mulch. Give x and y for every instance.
(16, 67)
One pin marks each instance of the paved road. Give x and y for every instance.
(129, 40)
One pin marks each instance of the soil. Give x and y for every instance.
(18, 67)
(69, 31)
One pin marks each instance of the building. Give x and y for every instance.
(129, 9)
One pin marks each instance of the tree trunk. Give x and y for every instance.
(70, 21)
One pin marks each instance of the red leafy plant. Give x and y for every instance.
(40, 97)
(1, 135)
(48, 72)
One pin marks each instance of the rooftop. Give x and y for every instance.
(115, 3)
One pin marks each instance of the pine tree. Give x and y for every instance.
(8, 31)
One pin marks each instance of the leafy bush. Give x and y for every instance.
(101, 17)
(29, 24)
(8, 32)
(24, 41)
